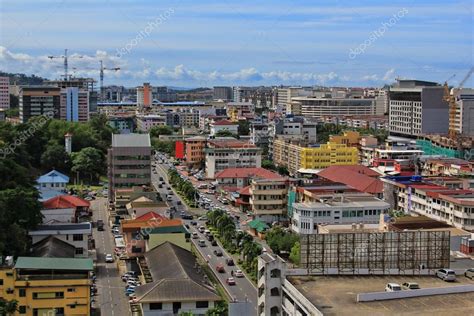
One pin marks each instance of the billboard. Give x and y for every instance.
(179, 150)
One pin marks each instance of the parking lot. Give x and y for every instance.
(336, 295)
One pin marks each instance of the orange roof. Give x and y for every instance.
(149, 215)
(230, 143)
(152, 222)
(223, 122)
(248, 172)
(245, 190)
(353, 177)
(65, 201)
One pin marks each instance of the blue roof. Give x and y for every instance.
(53, 176)
(46, 194)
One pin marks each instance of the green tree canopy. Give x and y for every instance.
(156, 131)
(89, 162)
(55, 157)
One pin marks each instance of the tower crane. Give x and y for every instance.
(65, 57)
(102, 68)
(451, 99)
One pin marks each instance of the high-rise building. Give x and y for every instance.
(38, 101)
(4, 93)
(315, 107)
(144, 95)
(416, 108)
(129, 161)
(464, 118)
(222, 93)
(86, 84)
(74, 104)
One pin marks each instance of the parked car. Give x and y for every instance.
(218, 252)
(393, 287)
(469, 273)
(230, 281)
(220, 268)
(109, 258)
(410, 286)
(447, 275)
(229, 261)
(238, 274)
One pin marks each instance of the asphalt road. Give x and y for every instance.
(243, 289)
(110, 297)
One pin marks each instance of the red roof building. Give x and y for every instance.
(232, 179)
(65, 202)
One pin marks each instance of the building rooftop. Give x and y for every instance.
(65, 201)
(131, 140)
(360, 178)
(336, 295)
(223, 123)
(349, 200)
(54, 263)
(230, 143)
(53, 176)
(53, 247)
(248, 172)
(54, 229)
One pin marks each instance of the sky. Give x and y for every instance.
(248, 43)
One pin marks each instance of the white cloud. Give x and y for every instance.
(389, 75)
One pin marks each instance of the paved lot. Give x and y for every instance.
(336, 295)
(110, 297)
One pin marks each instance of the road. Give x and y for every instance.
(110, 296)
(244, 288)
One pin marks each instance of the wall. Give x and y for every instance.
(168, 309)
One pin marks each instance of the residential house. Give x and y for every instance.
(65, 209)
(232, 179)
(224, 125)
(52, 184)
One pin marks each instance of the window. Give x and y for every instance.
(202, 304)
(71, 289)
(176, 307)
(79, 251)
(22, 309)
(77, 237)
(156, 306)
(1, 281)
(22, 292)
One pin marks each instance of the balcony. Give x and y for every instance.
(268, 192)
(266, 202)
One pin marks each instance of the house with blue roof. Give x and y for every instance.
(52, 184)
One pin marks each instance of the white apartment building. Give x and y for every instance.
(312, 107)
(464, 119)
(268, 199)
(223, 125)
(345, 208)
(4, 93)
(417, 107)
(146, 122)
(223, 153)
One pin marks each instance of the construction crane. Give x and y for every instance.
(102, 68)
(451, 99)
(65, 57)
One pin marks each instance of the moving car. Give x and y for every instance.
(229, 261)
(230, 281)
(447, 275)
(109, 258)
(214, 243)
(202, 243)
(100, 225)
(201, 229)
(393, 287)
(218, 252)
(469, 273)
(220, 268)
(194, 223)
(410, 286)
(195, 235)
(238, 274)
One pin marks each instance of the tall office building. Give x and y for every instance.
(74, 105)
(463, 122)
(38, 101)
(222, 93)
(144, 95)
(81, 83)
(416, 108)
(4, 93)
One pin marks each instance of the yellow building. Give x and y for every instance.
(295, 157)
(349, 138)
(48, 286)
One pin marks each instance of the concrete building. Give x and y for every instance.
(129, 161)
(163, 94)
(293, 156)
(464, 119)
(85, 84)
(146, 122)
(223, 153)
(75, 234)
(349, 138)
(223, 125)
(183, 117)
(48, 286)
(232, 179)
(417, 107)
(240, 111)
(222, 93)
(2, 115)
(313, 107)
(74, 105)
(268, 198)
(346, 208)
(178, 286)
(123, 122)
(39, 101)
(4, 92)
(285, 95)
(194, 151)
(144, 95)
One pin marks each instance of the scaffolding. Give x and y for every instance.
(408, 252)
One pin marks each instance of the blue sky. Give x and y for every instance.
(205, 43)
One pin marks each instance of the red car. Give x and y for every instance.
(230, 281)
(220, 268)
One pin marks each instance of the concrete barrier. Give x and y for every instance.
(380, 296)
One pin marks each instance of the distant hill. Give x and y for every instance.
(22, 79)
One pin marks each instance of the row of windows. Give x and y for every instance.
(126, 167)
(177, 305)
(133, 157)
(131, 176)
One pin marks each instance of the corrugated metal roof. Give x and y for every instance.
(131, 140)
(54, 263)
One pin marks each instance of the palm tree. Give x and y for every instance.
(8, 307)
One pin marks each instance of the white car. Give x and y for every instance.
(238, 274)
(393, 287)
(109, 258)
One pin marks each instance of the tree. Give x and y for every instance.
(56, 157)
(268, 164)
(283, 170)
(295, 253)
(279, 240)
(8, 307)
(156, 131)
(221, 308)
(225, 133)
(244, 128)
(89, 162)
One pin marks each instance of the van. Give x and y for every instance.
(393, 287)
(447, 275)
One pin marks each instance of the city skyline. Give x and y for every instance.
(181, 43)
